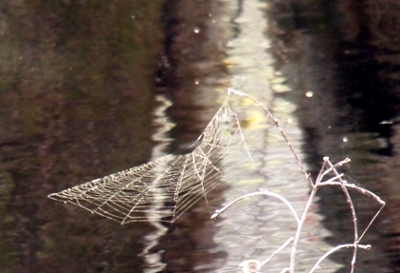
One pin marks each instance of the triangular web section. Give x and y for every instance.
(165, 188)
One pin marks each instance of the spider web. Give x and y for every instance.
(165, 188)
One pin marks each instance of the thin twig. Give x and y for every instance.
(277, 251)
(265, 192)
(353, 213)
(366, 247)
(253, 266)
(364, 192)
(370, 223)
(299, 228)
(313, 193)
(328, 170)
(333, 179)
(276, 122)
(353, 186)
(321, 174)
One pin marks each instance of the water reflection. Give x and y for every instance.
(154, 260)
(193, 75)
(257, 227)
(78, 87)
(77, 90)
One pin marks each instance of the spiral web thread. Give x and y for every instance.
(163, 189)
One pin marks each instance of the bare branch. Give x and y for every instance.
(276, 122)
(253, 266)
(277, 251)
(322, 173)
(366, 247)
(300, 226)
(265, 192)
(333, 179)
(353, 213)
(364, 192)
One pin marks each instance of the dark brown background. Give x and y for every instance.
(78, 81)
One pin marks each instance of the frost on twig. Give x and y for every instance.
(336, 180)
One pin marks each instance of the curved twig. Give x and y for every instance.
(352, 209)
(265, 192)
(363, 191)
(276, 122)
(366, 247)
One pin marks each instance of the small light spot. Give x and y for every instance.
(196, 30)
(133, 17)
(309, 94)
(345, 139)
(290, 120)
(196, 82)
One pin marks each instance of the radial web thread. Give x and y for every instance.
(165, 188)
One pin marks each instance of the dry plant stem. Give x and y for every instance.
(322, 173)
(332, 179)
(265, 192)
(327, 167)
(353, 213)
(299, 228)
(277, 251)
(308, 177)
(363, 191)
(276, 122)
(254, 265)
(314, 188)
(366, 247)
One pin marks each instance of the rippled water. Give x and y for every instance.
(89, 90)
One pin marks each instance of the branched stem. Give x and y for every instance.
(365, 192)
(336, 180)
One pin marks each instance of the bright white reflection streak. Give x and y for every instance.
(163, 125)
(258, 227)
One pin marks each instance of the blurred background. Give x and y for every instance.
(89, 88)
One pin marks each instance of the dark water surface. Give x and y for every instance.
(90, 88)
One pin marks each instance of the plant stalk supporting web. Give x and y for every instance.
(163, 189)
(253, 266)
